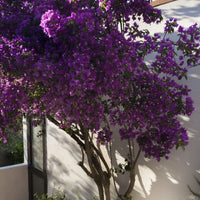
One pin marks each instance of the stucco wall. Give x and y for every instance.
(14, 182)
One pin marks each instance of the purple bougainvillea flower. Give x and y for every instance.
(50, 22)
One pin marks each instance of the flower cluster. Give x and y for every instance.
(83, 62)
(50, 22)
(170, 25)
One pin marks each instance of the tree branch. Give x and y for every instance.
(81, 164)
(112, 174)
(68, 131)
(132, 175)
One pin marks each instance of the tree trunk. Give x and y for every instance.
(106, 185)
(100, 190)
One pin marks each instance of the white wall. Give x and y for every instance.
(14, 182)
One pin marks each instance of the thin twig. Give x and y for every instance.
(112, 174)
(81, 164)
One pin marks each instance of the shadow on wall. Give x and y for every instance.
(63, 171)
(168, 179)
(182, 10)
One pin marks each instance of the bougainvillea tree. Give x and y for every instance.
(82, 64)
